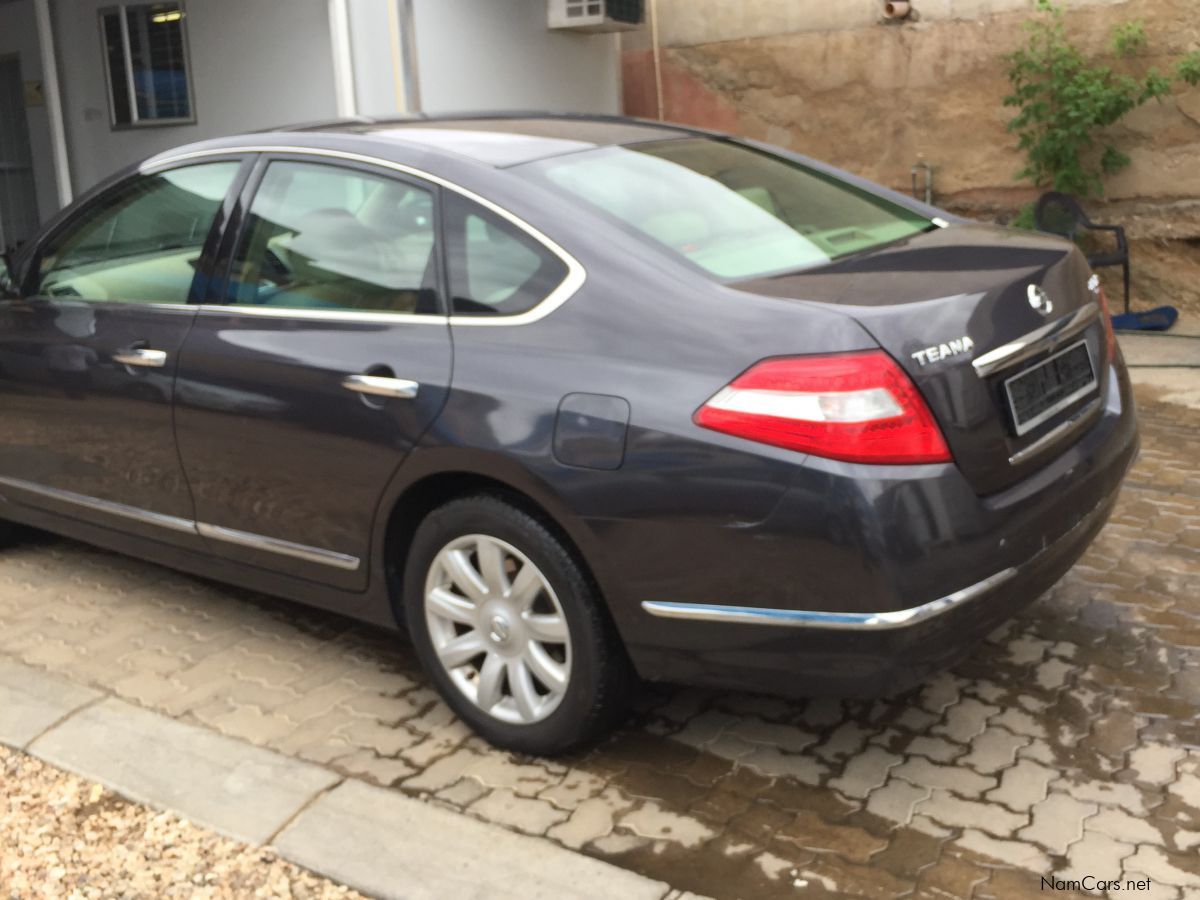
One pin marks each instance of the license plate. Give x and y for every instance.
(1051, 386)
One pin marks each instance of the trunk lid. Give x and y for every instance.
(941, 300)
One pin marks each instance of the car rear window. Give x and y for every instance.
(734, 211)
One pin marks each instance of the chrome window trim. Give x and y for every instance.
(103, 506)
(1037, 341)
(279, 547)
(576, 274)
(797, 618)
(315, 315)
(187, 526)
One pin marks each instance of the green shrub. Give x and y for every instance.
(1189, 68)
(1065, 101)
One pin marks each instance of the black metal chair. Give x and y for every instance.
(1061, 214)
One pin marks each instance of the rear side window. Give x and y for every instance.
(495, 267)
(139, 243)
(325, 237)
(733, 211)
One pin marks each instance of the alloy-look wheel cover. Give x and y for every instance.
(498, 629)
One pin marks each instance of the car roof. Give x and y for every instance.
(505, 139)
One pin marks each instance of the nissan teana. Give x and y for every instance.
(574, 401)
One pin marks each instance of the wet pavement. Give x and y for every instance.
(1068, 745)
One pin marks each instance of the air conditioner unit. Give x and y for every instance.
(594, 16)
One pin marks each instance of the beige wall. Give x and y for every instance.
(876, 98)
(689, 22)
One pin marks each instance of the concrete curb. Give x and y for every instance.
(376, 840)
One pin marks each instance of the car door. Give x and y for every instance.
(89, 348)
(324, 360)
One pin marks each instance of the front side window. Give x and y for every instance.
(140, 243)
(495, 267)
(145, 57)
(734, 211)
(330, 238)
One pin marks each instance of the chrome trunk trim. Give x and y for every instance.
(1037, 341)
(1059, 433)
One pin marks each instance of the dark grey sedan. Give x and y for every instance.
(574, 400)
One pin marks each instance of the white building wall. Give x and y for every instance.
(18, 35)
(259, 63)
(497, 54)
(255, 64)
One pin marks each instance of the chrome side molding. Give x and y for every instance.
(1037, 341)
(377, 386)
(797, 618)
(173, 523)
(103, 506)
(275, 545)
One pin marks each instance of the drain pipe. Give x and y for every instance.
(58, 131)
(924, 168)
(405, 44)
(658, 85)
(343, 59)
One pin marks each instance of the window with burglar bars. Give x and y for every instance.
(145, 57)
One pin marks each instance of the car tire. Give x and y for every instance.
(525, 655)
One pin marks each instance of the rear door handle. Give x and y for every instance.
(379, 386)
(138, 356)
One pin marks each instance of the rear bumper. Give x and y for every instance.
(927, 570)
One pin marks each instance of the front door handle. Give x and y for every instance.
(379, 386)
(139, 356)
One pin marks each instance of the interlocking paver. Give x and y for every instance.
(1172, 869)
(592, 820)
(865, 772)
(1057, 822)
(1125, 796)
(897, 801)
(920, 771)
(1062, 743)
(947, 809)
(1014, 853)
(1097, 856)
(993, 750)
(652, 821)
(1023, 785)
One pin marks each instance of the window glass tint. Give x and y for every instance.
(495, 267)
(732, 210)
(140, 243)
(151, 83)
(324, 237)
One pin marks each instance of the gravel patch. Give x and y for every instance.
(64, 837)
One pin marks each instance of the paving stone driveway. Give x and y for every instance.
(1069, 744)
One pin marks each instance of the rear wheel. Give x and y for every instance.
(510, 628)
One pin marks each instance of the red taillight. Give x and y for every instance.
(858, 407)
(1110, 339)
